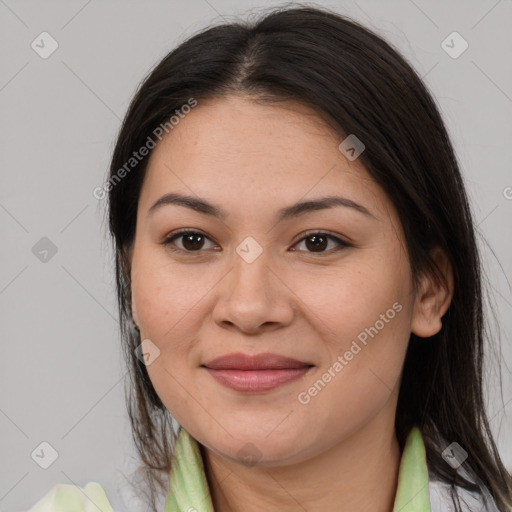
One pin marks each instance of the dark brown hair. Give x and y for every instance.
(362, 86)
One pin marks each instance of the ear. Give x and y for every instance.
(433, 297)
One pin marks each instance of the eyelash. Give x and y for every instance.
(168, 242)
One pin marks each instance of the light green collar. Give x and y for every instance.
(189, 490)
(412, 492)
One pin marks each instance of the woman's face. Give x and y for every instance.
(253, 282)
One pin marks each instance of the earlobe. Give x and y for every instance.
(433, 297)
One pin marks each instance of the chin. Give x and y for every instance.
(257, 448)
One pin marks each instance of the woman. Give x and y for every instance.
(298, 280)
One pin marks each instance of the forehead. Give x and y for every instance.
(239, 151)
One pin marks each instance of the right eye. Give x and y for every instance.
(191, 241)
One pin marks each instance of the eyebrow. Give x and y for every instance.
(301, 208)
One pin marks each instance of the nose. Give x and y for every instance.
(253, 297)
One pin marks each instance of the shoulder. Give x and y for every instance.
(64, 498)
(441, 500)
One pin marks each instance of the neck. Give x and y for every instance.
(359, 473)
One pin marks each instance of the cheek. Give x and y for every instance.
(171, 302)
(364, 291)
(361, 373)
(165, 294)
(165, 300)
(363, 314)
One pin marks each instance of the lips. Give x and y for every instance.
(265, 361)
(257, 373)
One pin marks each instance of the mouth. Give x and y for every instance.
(255, 373)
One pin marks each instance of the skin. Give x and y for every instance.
(251, 160)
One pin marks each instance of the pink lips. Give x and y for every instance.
(261, 372)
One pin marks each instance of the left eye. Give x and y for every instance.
(193, 241)
(319, 241)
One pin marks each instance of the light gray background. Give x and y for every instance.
(61, 368)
